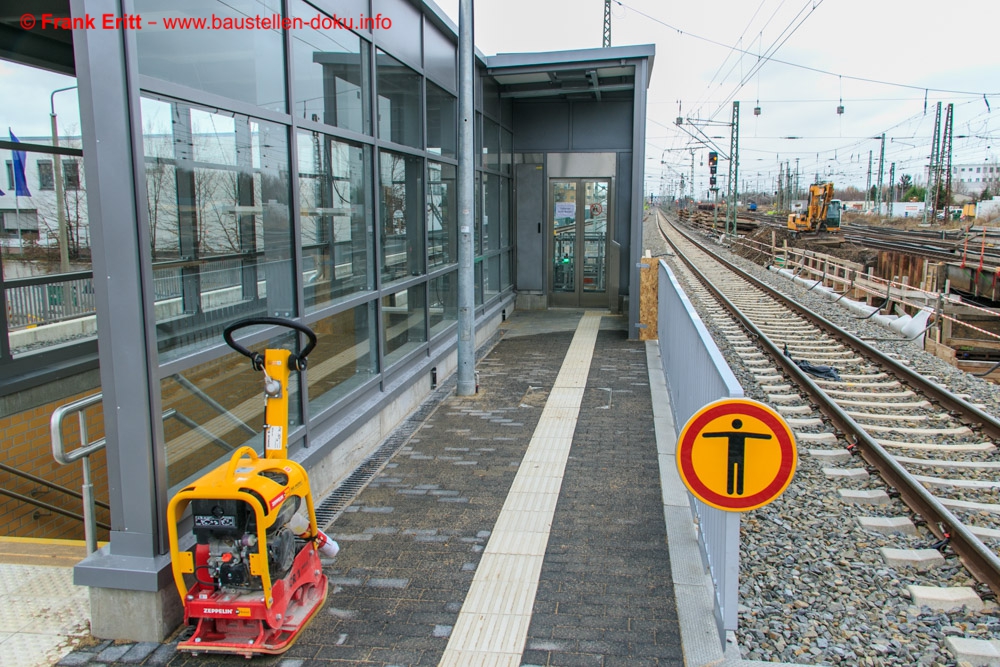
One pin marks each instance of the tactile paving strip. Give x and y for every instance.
(493, 623)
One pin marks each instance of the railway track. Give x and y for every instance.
(875, 437)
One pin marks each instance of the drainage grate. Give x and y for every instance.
(340, 498)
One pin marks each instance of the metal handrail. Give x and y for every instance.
(41, 481)
(86, 449)
(83, 453)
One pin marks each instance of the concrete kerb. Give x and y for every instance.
(692, 584)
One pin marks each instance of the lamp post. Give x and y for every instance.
(57, 173)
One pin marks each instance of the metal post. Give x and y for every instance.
(57, 173)
(930, 201)
(881, 172)
(734, 161)
(466, 204)
(89, 526)
(868, 188)
(606, 40)
(892, 190)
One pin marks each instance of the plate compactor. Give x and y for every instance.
(253, 579)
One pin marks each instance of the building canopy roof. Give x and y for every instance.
(577, 74)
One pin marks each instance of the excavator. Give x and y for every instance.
(822, 214)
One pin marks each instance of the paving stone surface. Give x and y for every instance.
(412, 540)
(605, 595)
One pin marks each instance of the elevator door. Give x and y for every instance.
(579, 221)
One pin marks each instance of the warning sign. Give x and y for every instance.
(736, 454)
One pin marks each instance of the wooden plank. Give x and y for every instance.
(648, 299)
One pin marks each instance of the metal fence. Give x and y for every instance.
(56, 298)
(48, 299)
(688, 352)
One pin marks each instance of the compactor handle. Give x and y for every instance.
(237, 456)
(296, 362)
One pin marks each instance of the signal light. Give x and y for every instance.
(711, 181)
(713, 162)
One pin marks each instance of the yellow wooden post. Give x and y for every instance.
(648, 298)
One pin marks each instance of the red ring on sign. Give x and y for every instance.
(739, 504)
(596, 209)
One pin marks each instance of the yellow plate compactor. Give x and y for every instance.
(253, 579)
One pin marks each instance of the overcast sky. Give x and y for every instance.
(923, 44)
(932, 46)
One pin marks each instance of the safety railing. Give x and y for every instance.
(81, 453)
(687, 350)
(88, 449)
(47, 299)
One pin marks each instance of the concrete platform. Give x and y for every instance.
(577, 525)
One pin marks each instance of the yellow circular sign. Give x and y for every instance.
(736, 454)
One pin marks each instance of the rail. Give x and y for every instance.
(979, 559)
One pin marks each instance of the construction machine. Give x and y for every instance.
(250, 577)
(822, 213)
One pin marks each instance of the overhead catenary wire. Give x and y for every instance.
(818, 70)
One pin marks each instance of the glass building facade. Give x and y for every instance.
(311, 178)
(304, 174)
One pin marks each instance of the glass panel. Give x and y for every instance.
(403, 37)
(198, 434)
(335, 206)
(479, 282)
(443, 310)
(330, 74)
(442, 214)
(506, 156)
(225, 59)
(491, 286)
(220, 225)
(345, 357)
(491, 144)
(491, 96)
(595, 235)
(477, 242)
(401, 183)
(491, 213)
(36, 293)
(504, 212)
(505, 281)
(399, 102)
(442, 116)
(439, 55)
(564, 237)
(403, 315)
(478, 133)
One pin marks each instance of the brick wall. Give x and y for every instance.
(25, 445)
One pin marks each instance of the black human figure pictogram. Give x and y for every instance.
(737, 454)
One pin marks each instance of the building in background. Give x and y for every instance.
(307, 174)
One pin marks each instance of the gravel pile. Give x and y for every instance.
(814, 587)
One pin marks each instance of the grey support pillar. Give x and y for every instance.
(635, 196)
(466, 204)
(131, 591)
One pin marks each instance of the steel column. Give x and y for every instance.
(466, 203)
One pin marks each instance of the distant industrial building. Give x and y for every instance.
(972, 179)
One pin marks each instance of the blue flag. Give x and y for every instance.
(20, 182)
